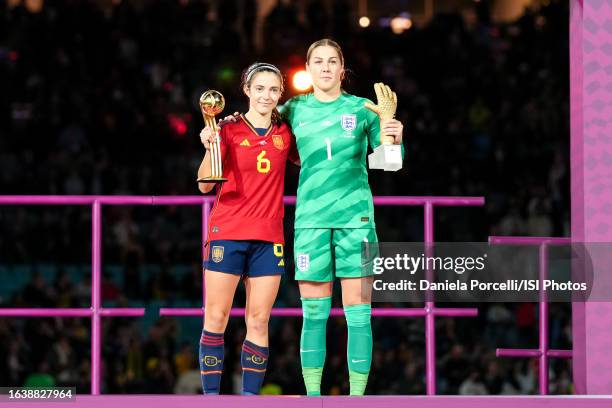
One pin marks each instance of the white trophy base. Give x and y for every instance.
(386, 157)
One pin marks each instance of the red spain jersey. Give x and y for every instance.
(249, 205)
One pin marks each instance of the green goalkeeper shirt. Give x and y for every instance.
(332, 140)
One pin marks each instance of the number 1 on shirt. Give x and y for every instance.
(329, 153)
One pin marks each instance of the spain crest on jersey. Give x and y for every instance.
(217, 253)
(303, 262)
(278, 142)
(349, 122)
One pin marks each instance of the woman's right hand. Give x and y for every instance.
(207, 136)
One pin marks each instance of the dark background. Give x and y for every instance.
(101, 98)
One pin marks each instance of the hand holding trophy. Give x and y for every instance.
(211, 104)
(387, 156)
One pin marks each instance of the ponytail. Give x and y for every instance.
(277, 118)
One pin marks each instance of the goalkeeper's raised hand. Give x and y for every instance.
(390, 128)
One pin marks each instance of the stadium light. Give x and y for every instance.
(364, 22)
(34, 6)
(302, 80)
(400, 23)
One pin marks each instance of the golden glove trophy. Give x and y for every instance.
(211, 104)
(387, 156)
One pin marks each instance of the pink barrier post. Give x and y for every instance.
(205, 214)
(430, 321)
(543, 353)
(96, 297)
(590, 55)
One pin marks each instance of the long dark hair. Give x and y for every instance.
(249, 74)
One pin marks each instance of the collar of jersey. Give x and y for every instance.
(253, 127)
(315, 103)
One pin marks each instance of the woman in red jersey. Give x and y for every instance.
(246, 227)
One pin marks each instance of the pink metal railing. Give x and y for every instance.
(543, 353)
(95, 312)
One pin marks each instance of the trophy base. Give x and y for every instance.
(216, 180)
(386, 157)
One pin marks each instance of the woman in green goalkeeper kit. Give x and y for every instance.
(334, 209)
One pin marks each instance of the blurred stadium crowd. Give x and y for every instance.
(104, 102)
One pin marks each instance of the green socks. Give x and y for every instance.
(312, 380)
(358, 382)
(313, 341)
(359, 349)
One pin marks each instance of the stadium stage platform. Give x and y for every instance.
(175, 401)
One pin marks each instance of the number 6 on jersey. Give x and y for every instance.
(263, 165)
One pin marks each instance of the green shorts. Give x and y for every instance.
(322, 253)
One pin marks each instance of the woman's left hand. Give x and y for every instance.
(394, 128)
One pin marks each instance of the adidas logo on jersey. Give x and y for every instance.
(245, 143)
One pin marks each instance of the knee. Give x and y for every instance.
(358, 315)
(316, 308)
(359, 292)
(215, 319)
(258, 322)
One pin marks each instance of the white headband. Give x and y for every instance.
(261, 66)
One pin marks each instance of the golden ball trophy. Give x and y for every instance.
(212, 103)
(387, 156)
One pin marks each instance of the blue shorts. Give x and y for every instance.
(248, 258)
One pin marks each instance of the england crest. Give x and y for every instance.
(217, 253)
(349, 122)
(303, 262)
